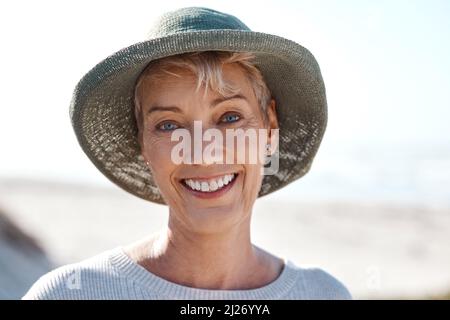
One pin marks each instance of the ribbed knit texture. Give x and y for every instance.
(114, 275)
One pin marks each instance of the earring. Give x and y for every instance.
(268, 149)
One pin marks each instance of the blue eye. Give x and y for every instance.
(167, 126)
(230, 118)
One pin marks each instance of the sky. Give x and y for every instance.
(385, 65)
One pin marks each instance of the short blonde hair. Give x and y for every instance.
(207, 67)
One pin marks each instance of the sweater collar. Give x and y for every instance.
(170, 290)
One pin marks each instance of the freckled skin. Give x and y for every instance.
(207, 241)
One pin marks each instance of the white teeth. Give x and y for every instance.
(213, 186)
(205, 186)
(227, 179)
(210, 185)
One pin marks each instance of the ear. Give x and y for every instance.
(146, 161)
(272, 125)
(140, 127)
(140, 139)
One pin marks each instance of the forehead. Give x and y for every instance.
(165, 88)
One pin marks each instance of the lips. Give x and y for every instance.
(209, 185)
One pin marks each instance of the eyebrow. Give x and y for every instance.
(214, 103)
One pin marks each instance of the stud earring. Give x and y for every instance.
(268, 149)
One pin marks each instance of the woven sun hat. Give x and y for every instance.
(102, 106)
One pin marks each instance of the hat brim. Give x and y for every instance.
(102, 107)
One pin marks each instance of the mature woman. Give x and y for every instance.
(130, 113)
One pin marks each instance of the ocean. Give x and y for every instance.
(396, 173)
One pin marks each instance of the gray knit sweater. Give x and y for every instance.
(113, 274)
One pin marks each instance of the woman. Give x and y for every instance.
(199, 67)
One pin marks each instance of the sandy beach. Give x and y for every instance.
(378, 250)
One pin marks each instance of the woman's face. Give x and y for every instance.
(173, 103)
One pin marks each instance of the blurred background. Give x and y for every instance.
(374, 210)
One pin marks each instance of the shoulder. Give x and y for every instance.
(82, 280)
(315, 283)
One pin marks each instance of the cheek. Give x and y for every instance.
(253, 177)
(252, 182)
(255, 147)
(157, 150)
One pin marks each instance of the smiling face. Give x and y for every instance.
(206, 197)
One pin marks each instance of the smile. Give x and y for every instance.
(209, 185)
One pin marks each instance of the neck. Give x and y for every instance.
(223, 260)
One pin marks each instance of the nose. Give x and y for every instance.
(207, 144)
